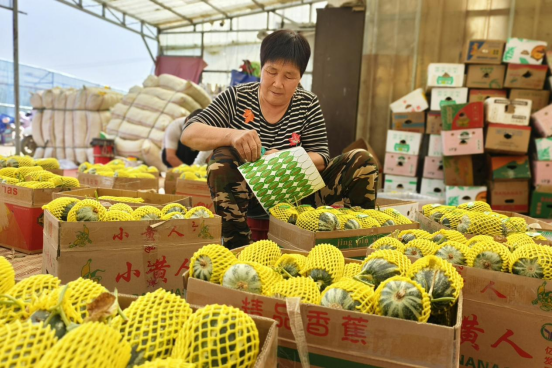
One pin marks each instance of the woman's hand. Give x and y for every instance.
(271, 151)
(247, 143)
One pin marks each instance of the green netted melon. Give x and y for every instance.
(251, 277)
(378, 270)
(438, 286)
(66, 211)
(87, 214)
(327, 221)
(400, 297)
(528, 267)
(488, 261)
(337, 298)
(453, 252)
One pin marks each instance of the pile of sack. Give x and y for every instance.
(66, 120)
(139, 121)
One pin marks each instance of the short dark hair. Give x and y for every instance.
(288, 46)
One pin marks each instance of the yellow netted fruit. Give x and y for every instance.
(43, 185)
(290, 265)
(174, 208)
(328, 209)
(152, 169)
(347, 211)
(351, 269)
(123, 199)
(443, 236)
(489, 256)
(388, 242)
(48, 163)
(407, 236)
(420, 248)
(514, 241)
(60, 207)
(304, 208)
(108, 174)
(166, 363)
(428, 208)
(478, 238)
(86, 210)
(90, 345)
(8, 172)
(76, 297)
(7, 275)
(116, 162)
(84, 166)
(24, 171)
(10, 181)
(31, 184)
(297, 287)
(252, 277)
(495, 214)
(536, 236)
(401, 297)
(142, 176)
(440, 280)
(381, 265)
(41, 175)
(20, 161)
(449, 217)
(476, 206)
(325, 264)
(173, 216)
(382, 218)
(265, 252)
(121, 207)
(189, 175)
(398, 217)
(65, 182)
(96, 169)
(348, 222)
(349, 294)
(366, 222)
(453, 252)
(24, 343)
(479, 224)
(115, 215)
(120, 173)
(198, 212)
(153, 323)
(236, 342)
(514, 225)
(284, 212)
(147, 213)
(210, 262)
(318, 220)
(532, 260)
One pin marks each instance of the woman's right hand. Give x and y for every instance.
(247, 143)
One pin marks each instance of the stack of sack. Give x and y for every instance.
(66, 120)
(139, 121)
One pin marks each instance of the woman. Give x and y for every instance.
(275, 114)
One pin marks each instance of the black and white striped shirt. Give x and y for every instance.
(303, 118)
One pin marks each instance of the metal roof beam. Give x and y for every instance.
(119, 23)
(217, 9)
(258, 4)
(173, 11)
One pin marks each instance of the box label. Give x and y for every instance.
(524, 51)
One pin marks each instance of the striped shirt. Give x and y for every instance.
(302, 124)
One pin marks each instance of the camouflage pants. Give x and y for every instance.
(351, 177)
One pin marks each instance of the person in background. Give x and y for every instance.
(275, 114)
(175, 153)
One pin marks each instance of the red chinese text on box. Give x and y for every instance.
(253, 306)
(126, 276)
(354, 329)
(318, 323)
(281, 316)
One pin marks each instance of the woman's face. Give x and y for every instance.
(279, 80)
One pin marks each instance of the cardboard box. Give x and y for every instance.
(508, 139)
(511, 112)
(542, 120)
(412, 102)
(542, 172)
(539, 99)
(465, 170)
(433, 188)
(486, 76)
(445, 75)
(150, 199)
(524, 51)
(403, 142)
(447, 96)
(462, 142)
(198, 191)
(459, 195)
(544, 146)
(408, 121)
(484, 52)
(170, 182)
(22, 217)
(541, 202)
(97, 181)
(511, 195)
(480, 95)
(433, 168)
(435, 147)
(463, 116)
(134, 257)
(525, 76)
(399, 164)
(510, 167)
(400, 183)
(434, 123)
(362, 144)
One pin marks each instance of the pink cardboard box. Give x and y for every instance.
(542, 120)
(542, 172)
(433, 168)
(462, 142)
(400, 164)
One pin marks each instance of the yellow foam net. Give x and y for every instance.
(26, 170)
(532, 260)
(408, 235)
(188, 175)
(172, 216)
(10, 181)
(489, 255)
(284, 212)
(92, 203)
(478, 238)
(304, 208)
(348, 222)
(7, 275)
(9, 172)
(20, 161)
(318, 220)
(450, 218)
(396, 287)
(351, 269)
(388, 242)
(121, 207)
(535, 235)
(142, 176)
(167, 363)
(476, 206)
(265, 252)
(392, 256)
(448, 235)
(398, 217)
(428, 208)
(24, 343)
(48, 163)
(479, 224)
(90, 345)
(514, 241)
(514, 225)
(174, 207)
(123, 199)
(328, 258)
(41, 176)
(297, 287)
(115, 215)
(121, 174)
(217, 334)
(290, 265)
(210, 262)
(382, 218)
(495, 214)
(463, 249)
(108, 174)
(84, 166)
(198, 212)
(243, 270)
(361, 293)
(146, 213)
(420, 247)
(154, 321)
(36, 185)
(366, 222)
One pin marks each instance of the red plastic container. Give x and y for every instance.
(103, 150)
(259, 228)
